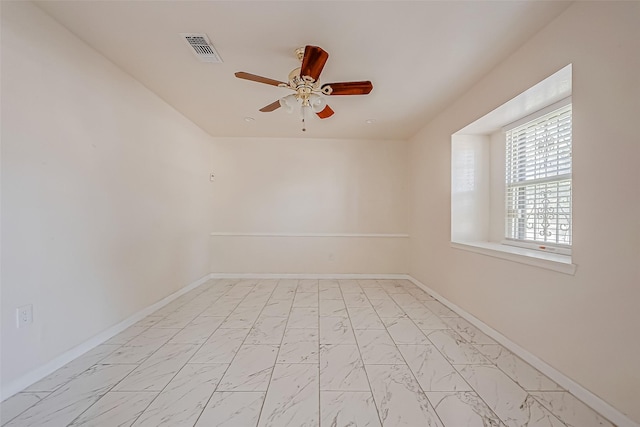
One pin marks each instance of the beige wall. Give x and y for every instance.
(585, 325)
(309, 186)
(106, 202)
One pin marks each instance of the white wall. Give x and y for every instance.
(584, 325)
(309, 186)
(106, 202)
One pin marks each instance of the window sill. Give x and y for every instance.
(549, 261)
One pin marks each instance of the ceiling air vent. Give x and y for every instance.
(201, 47)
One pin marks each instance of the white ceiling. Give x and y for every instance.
(419, 55)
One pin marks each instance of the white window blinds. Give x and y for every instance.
(538, 180)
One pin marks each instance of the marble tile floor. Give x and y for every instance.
(299, 353)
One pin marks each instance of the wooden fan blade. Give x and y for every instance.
(259, 79)
(313, 62)
(325, 113)
(347, 88)
(271, 107)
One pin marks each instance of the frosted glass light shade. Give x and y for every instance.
(317, 102)
(289, 103)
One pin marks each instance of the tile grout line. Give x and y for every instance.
(103, 358)
(455, 367)
(353, 331)
(147, 358)
(225, 371)
(447, 359)
(172, 378)
(400, 353)
(22, 412)
(279, 347)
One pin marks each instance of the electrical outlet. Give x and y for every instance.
(212, 177)
(24, 316)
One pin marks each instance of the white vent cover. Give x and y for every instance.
(201, 47)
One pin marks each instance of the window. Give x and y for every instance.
(538, 181)
(511, 178)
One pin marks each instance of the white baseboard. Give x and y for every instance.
(39, 373)
(590, 399)
(344, 276)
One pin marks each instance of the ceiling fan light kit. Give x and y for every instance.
(304, 81)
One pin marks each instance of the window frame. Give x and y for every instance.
(528, 243)
(478, 185)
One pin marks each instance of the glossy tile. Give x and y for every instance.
(184, 398)
(333, 307)
(115, 409)
(63, 405)
(364, 318)
(398, 397)
(426, 320)
(131, 355)
(148, 321)
(348, 408)
(307, 285)
(305, 299)
(299, 346)
(293, 398)
(156, 372)
(300, 353)
(276, 308)
(325, 284)
(463, 408)
(422, 313)
(222, 307)
(508, 400)
(286, 294)
(126, 335)
(355, 300)
(342, 369)
(336, 330)
(303, 318)
(522, 373)
(467, 331)
(455, 349)
(255, 301)
(439, 309)
(18, 403)
(377, 347)
(419, 294)
(73, 369)
(404, 331)
(349, 287)
(431, 369)
(406, 301)
(221, 347)
(376, 293)
(368, 283)
(153, 336)
(570, 410)
(198, 331)
(251, 369)
(232, 409)
(177, 319)
(387, 308)
(241, 318)
(267, 330)
(330, 294)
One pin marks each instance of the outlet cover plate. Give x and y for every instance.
(24, 316)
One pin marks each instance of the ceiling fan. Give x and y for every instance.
(308, 90)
